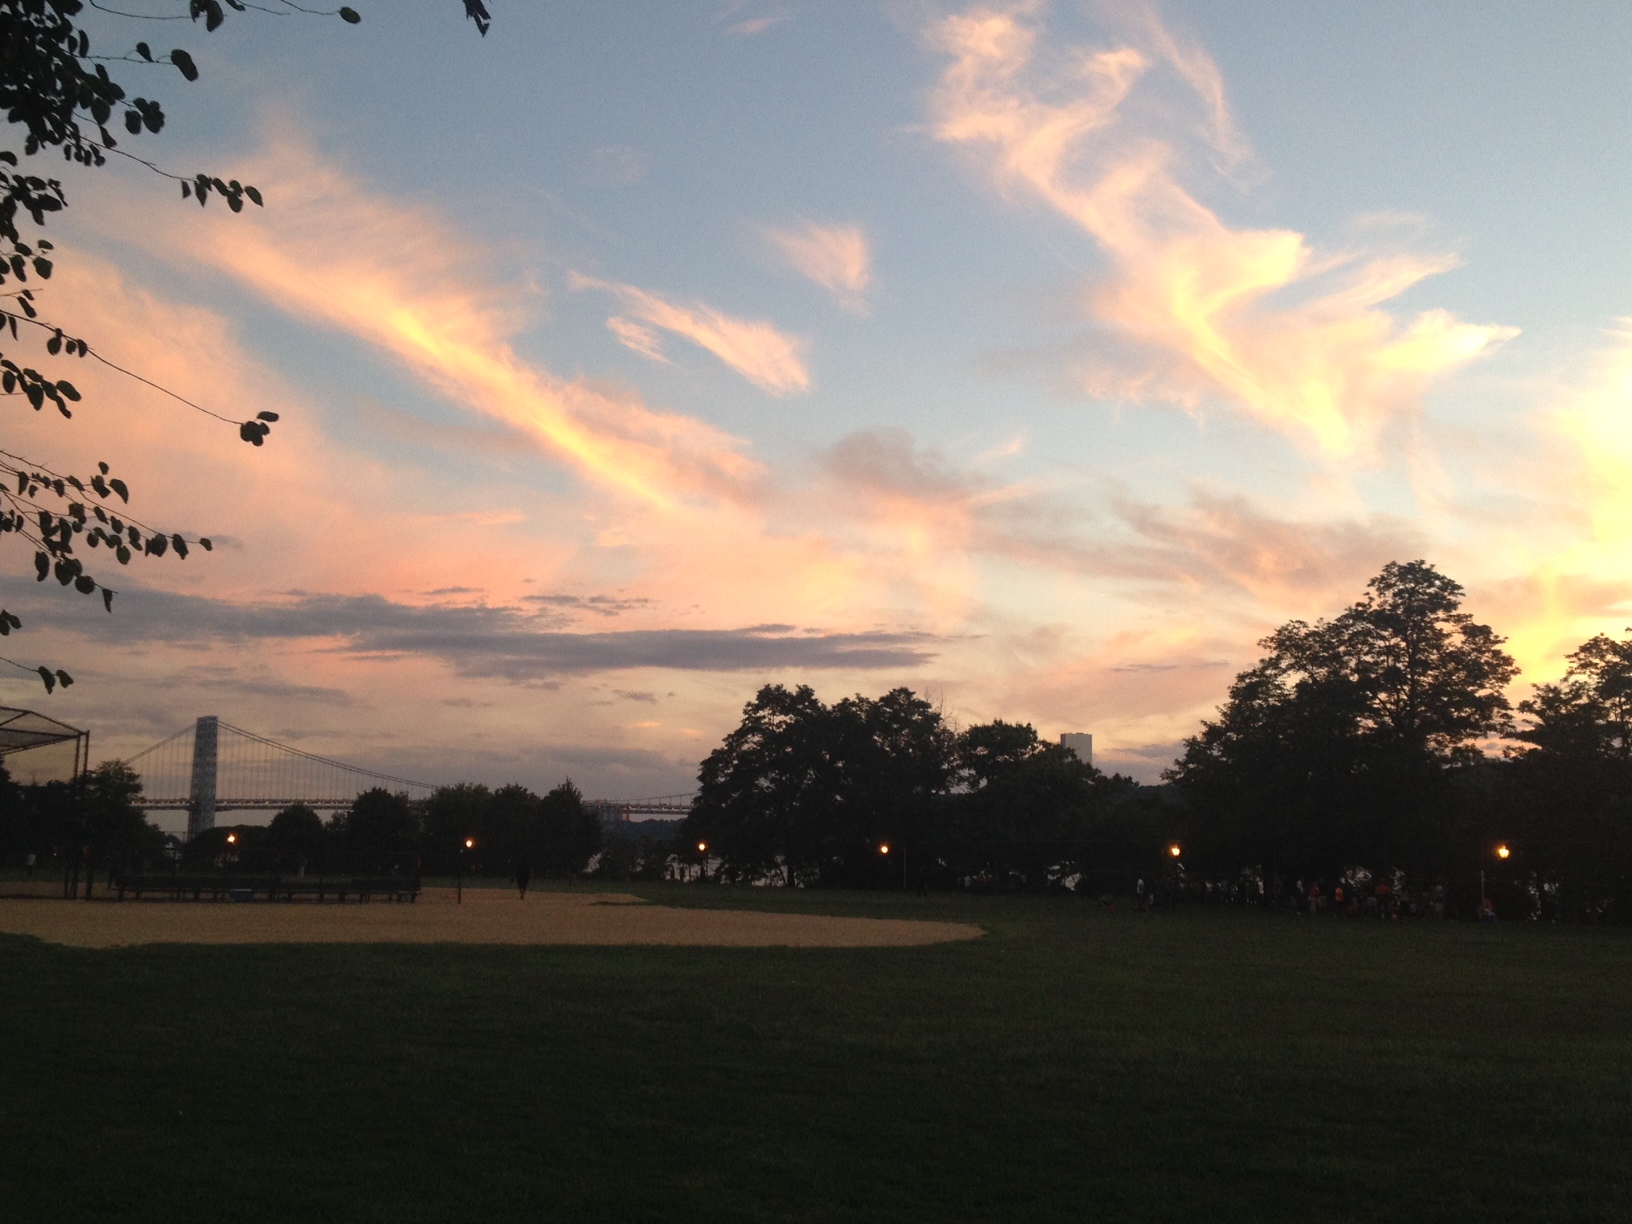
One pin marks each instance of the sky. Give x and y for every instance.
(1040, 357)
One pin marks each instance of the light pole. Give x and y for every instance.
(1503, 852)
(702, 860)
(884, 849)
(470, 844)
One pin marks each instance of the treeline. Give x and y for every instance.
(466, 828)
(98, 813)
(1383, 740)
(883, 793)
(1376, 751)
(99, 822)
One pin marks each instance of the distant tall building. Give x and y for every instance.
(1081, 743)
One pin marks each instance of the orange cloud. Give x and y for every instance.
(773, 362)
(327, 250)
(1254, 317)
(836, 257)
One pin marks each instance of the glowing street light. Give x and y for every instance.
(232, 839)
(884, 847)
(459, 887)
(702, 847)
(1503, 852)
(1175, 850)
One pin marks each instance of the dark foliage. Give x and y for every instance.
(882, 793)
(1343, 744)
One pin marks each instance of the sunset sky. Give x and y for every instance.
(1039, 357)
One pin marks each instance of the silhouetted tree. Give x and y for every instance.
(1337, 747)
(297, 831)
(381, 826)
(568, 834)
(766, 792)
(1567, 795)
(1029, 806)
(452, 814)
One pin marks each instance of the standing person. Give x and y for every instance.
(28, 864)
(1139, 893)
(524, 875)
(1314, 898)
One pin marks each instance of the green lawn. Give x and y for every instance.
(1072, 1065)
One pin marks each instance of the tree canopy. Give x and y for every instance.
(1335, 748)
(844, 794)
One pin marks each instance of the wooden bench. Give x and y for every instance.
(176, 887)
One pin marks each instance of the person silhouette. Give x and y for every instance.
(524, 875)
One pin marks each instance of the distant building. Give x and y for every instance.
(1081, 743)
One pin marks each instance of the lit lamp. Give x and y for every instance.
(884, 850)
(1175, 850)
(1503, 852)
(470, 844)
(702, 860)
(232, 839)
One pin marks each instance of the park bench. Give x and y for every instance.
(177, 886)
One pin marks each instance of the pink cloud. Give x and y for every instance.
(1257, 318)
(772, 361)
(836, 257)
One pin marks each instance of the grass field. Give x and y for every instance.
(1072, 1065)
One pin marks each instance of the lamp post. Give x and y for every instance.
(470, 844)
(702, 860)
(1503, 853)
(884, 850)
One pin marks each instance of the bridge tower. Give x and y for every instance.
(201, 795)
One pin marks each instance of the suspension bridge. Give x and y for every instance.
(214, 767)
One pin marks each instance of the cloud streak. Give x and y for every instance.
(505, 643)
(772, 361)
(396, 276)
(836, 257)
(1197, 311)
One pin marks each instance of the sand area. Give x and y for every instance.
(486, 916)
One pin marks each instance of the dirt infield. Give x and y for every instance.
(487, 916)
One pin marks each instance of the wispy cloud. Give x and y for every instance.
(637, 338)
(1201, 311)
(735, 24)
(836, 257)
(772, 361)
(397, 276)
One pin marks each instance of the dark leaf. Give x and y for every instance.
(42, 566)
(107, 599)
(50, 680)
(118, 486)
(349, 15)
(266, 416)
(204, 543)
(146, 52)
(255, 196)
(68, 390)
(84, 584)
(64, 677)
(180, 545)
(133, 123)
